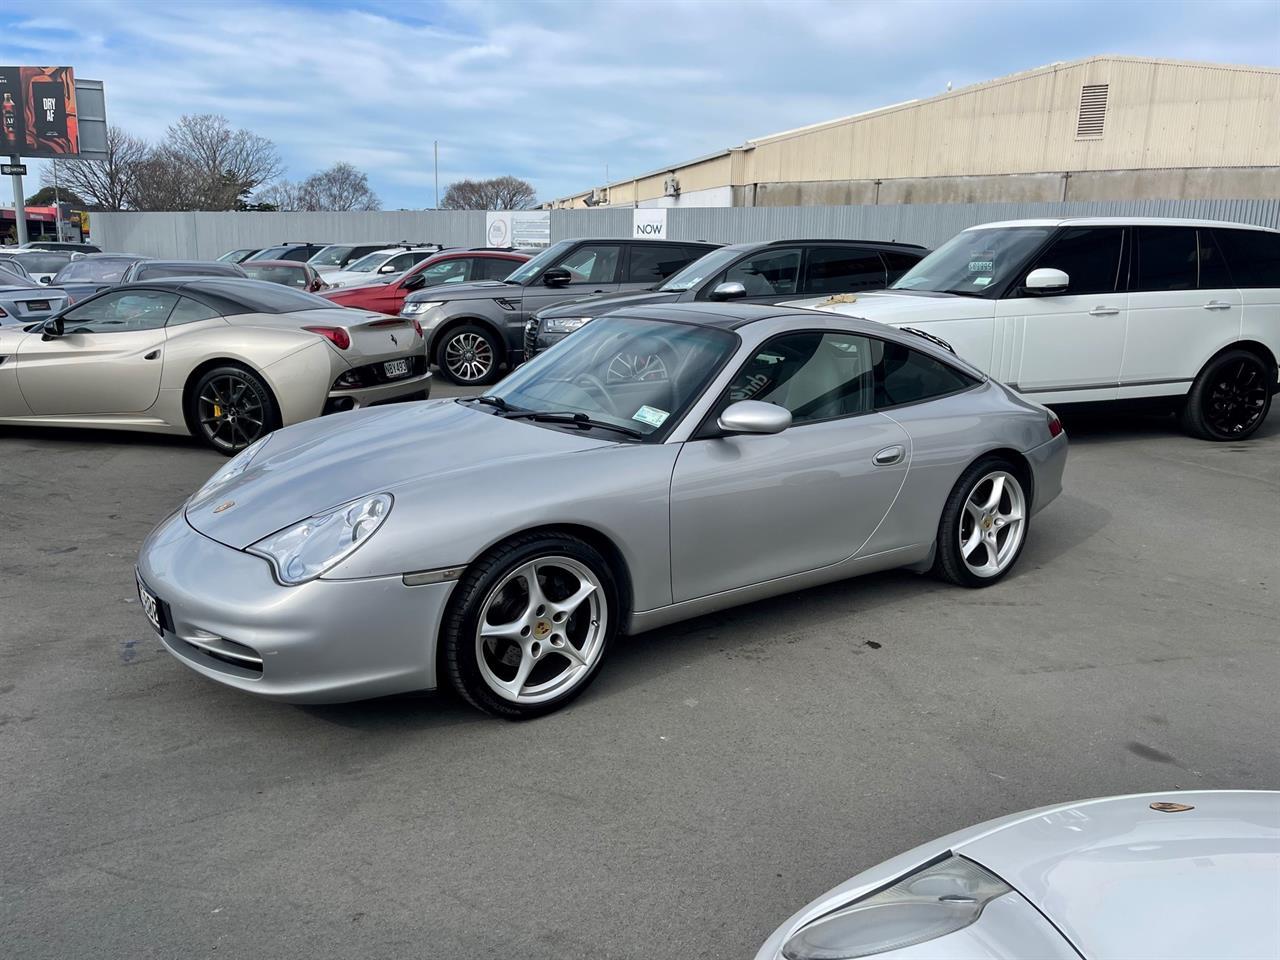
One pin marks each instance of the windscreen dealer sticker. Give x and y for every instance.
(651, 415)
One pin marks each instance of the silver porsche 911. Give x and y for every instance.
(661, 463)
(1187, 875)
(225, 359)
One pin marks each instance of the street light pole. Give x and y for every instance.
(435, 149)
(19, 202)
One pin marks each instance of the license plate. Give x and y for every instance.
(150, 604)
(34, 305)
(396, 368)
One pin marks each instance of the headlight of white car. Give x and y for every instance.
(308, 549)
(231, 469)
(940, 899)
(564, 324)
(413, 307)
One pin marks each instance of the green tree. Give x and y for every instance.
(44, 197)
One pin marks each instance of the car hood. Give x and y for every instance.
(900, 308)
(476, 290)
(599, 304)
(314, 466)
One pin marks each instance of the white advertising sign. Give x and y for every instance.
(649, 224)
(518, 228)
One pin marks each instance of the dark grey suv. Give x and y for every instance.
(765, 272)
(473, 328)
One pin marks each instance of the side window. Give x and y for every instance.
(653, 263)
(1089, 256)
(495, 268)
(593, 263)
(448, 271)
(1213, 273)
(898, 263)
(842, 270)
(904, 375)
(769, 273)
(189, 311)
(1252, 255)
(814, 375)
(1166, 259)
(300, 254)
(121, 312)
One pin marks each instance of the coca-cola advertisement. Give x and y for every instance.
(38, 112)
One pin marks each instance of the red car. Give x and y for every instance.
(287, 272)
(450, 266)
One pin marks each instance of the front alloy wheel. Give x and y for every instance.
(469, 355)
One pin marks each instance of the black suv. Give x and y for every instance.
(473, 328)
(301, 252)
(766, 272)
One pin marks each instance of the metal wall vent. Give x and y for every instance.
(1093, 111)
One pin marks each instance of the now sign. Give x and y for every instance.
(649, 224)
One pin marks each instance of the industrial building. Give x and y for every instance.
(1104, 128)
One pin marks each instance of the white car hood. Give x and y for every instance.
(900, 308)
(351, 278)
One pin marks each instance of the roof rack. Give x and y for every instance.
(493, 248)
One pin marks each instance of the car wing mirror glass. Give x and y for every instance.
(1046, 280)
(557, 277)
(53, 328)
(754, 416)
(729, 290)
(414, 282)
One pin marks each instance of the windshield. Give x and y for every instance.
(289, 276)
(700, 269)
(975, 262)
(533, 268)
(332, 255)
(369, 263)
(104, 271)
(638, 374)
(44, 262)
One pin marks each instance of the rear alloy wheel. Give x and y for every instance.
(983, 526)
(231, 408)
(469, 355)
(529, 625)
(1230, 398)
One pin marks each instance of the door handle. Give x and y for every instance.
(889, 456)
(1217, 305)
(151, 356)
(1104, 311)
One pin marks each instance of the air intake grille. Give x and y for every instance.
(1093, 111)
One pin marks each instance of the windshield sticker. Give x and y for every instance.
(984, 262)
(650, 415)
(981, 281)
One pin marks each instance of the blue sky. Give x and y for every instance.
(555, 91)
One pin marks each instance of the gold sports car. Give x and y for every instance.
(225, 359)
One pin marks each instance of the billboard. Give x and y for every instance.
(38, 115)
(528, 229)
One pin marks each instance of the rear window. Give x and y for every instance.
(1253, 256)
(290, 276)
(262, 297)
(103, 271)
(44, 262)
(155, 271)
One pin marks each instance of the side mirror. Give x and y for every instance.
(1046, 280)
(557, 277)
(46, 279)
(415, 282)
(53, 328)
(387, 268)
(317, 284)
(729, 290)
(754, 416)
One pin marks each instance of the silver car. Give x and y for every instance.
(24, 301)
(1162, 876)
(662, 463)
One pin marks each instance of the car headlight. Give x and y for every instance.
(564, 324)
(940, 899)
(412, 307)
(231, 469)
(308, 549)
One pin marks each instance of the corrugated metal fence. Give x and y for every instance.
(203, 236)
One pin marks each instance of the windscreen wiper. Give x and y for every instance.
(580, 420)
(490, 401)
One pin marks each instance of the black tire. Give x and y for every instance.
(1230, 398)
(469, 355)
(459, 655)
(230, 407)
(949, 561)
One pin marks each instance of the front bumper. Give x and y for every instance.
(326, 641)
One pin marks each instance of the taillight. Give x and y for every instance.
(1055, 425)
(417, 327)
(2, 313)
(335, 335)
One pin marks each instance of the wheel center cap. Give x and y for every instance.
(987, 522)
(541, 629)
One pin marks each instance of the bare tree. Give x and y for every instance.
(500, 193)
(104, 184)
(281, 195)
(341, 187)
(203, 164)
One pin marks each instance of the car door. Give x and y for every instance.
(1067, 347)
(594, 268)
(108, 359)
(1183, 307)
(649, 264)
(751, 508)
(770, 275)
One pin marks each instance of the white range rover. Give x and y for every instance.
(1183, 314)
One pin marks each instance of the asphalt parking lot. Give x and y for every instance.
(718, 775)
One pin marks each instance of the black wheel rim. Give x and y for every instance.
(231, 413)
(1236, 398)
